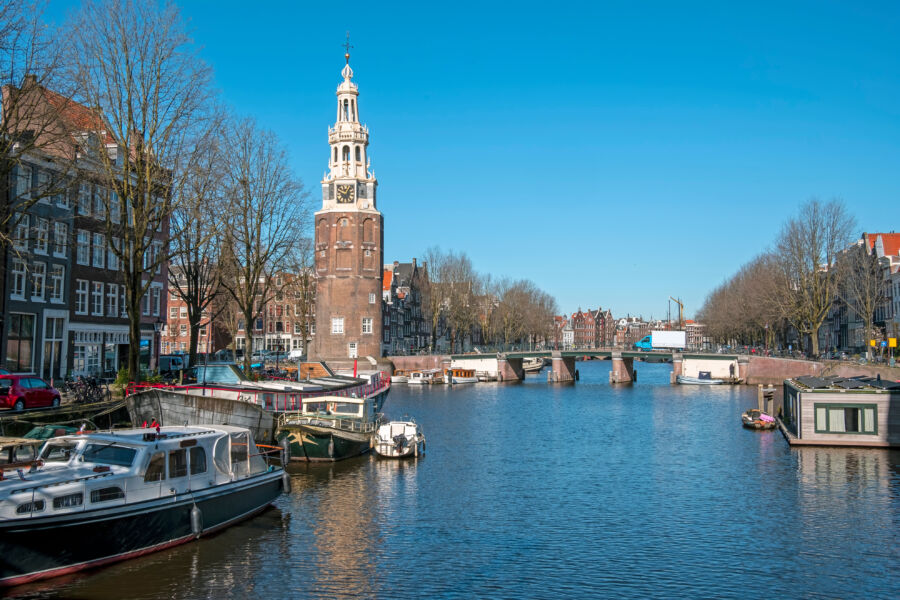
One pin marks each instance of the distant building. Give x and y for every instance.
(405, 329)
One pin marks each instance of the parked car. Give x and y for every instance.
(296, 354)
(170, 363)
(4, 372)
(260, 356)
(19, 392)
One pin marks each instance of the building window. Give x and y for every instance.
(42, 237)
(115, 209)
(83, 253)
(112, 261)
(84, 199)
(112, 300)
(18, 279)
(372, 298)
(97, 298)
(53, 339)
(184, 312)
(57, 283)
(337, 325)
(20, 237)
(60, 239)
(99, 250)
(367, 325)
(124, 314)
(298, 328)
(154, 294)
(23, 183)
(99, 208)
(20, 343)
(173, 312)
(182, 330)
(847, 418)
(81, 297)
(38, 278)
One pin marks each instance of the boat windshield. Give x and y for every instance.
(315, 407)
(109, 454)
(346, 408)
(220, 374)
(58, 450)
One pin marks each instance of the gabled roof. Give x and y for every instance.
(890, 241)
(387, 280)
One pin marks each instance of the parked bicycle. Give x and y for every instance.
(83, 390)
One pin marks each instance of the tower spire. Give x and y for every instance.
(347, 47)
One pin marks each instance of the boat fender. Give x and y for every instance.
(286, 483)
(286, 449)
(196, 521)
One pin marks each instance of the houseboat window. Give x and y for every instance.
(178, 463)
(198, 460)
(106, 454)
(315, 407)
(846, 418)
(107, 494)
(156, 469)
(345, 408)
(30, 507)
(68, 500)
(56, 451)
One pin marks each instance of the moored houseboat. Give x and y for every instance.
(424, 377)
(98, 498)
(839, 411)
(456, 375)
(329, 428)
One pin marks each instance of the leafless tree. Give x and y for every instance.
(269, 211)
(31, 128)
(198, 218)
(458, 278)
(301, 286)
(861, 287)
(807, 250)
(136, 62)
(434, 292)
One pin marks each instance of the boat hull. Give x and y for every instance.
(684, 379)
(308, 443)
(49, 546)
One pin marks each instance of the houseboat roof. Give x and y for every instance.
(843, 384)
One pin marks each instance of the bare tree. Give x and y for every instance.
(862, 286)
(807, 250)
(433, 291)
(269, 211)
(198, 218)
(301, 286)
(137, 62)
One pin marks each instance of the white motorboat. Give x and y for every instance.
(424, 377)
(455, 376)
(399, 376)
(398, 439)
(95, 498)
(685, 379)
(532, 364)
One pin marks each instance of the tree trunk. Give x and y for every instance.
(194, 322)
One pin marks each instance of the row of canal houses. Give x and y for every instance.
(63, 306)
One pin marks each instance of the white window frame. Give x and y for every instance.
(81, 296)
(83, 248)
(41, 236)
(57, 283)
(17, 279)
(372, 298)
(83, 202)
(367, 324)
(20, 238)
(112, 300)
(98, 254)
(173, 312)
(23, 182)
(97, 299)
(115, 209)
(337, 325)
(124, 313)
(60, 239)
(39, 282)
(155, 294)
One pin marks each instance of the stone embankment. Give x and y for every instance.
(763, 369)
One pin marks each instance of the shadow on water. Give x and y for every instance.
(563, 491)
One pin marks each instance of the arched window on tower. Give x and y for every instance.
(335, 154)
(353, 109)
(344, 230)
(358, 155)
(346, 153)
(346, 110)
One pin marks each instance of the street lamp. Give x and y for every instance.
(157, 338)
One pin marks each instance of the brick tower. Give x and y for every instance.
(349, 240)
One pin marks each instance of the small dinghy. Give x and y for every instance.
(757, 419)
(399, 439)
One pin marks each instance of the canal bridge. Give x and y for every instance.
(509, 365)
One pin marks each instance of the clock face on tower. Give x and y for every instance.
(345, 194)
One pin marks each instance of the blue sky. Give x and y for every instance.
(615, 153)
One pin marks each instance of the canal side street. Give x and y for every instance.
(529, 490)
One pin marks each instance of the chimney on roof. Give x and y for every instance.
(396, 263)
(30, 80)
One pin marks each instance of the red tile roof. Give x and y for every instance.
(386, 281)
(891, 242)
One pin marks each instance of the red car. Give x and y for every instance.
(26, 391)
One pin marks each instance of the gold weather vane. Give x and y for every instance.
(347, 47)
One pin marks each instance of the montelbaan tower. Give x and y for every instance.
(349, 239)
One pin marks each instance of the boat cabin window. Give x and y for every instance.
(240, 453)
(60, 450)
(345, 408)
(108, 454)
(315, 407)
(178, 463)
(68, 501)
(30, 507)
(198, 460)
(156, 469)
(107, 494)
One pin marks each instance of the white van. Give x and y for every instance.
(171, 363)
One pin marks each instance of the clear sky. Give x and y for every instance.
(615, 153)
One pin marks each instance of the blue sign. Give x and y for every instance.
(884, 344)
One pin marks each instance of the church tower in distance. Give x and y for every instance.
(349, 240)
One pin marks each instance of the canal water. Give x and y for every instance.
(548, 491)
